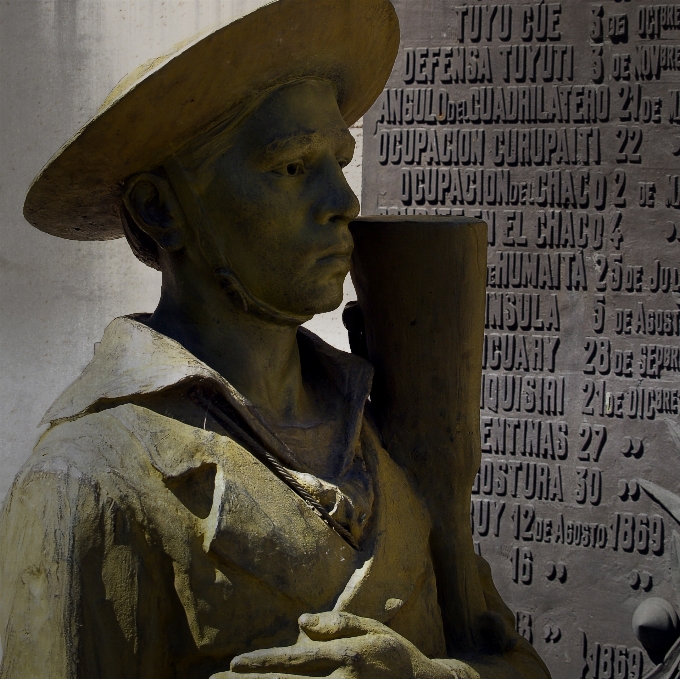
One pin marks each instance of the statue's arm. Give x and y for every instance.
(363, 647)
(367, 648)
(46, 515)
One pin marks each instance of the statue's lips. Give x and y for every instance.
(336, 255)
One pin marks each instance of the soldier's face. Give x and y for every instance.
(279, 203)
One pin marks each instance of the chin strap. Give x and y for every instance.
(252, 304)
(205, 234)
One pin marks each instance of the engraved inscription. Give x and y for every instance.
(558, 124)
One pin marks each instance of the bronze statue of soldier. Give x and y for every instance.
(212, 497)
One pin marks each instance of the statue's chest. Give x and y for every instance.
(249, 555)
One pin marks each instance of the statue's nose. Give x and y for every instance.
(336, 201)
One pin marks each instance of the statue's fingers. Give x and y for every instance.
(337, 625)
(302, 658)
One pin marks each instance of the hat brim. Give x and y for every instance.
(352, 43)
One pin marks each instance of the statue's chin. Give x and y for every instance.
(323, 303)
(316, 297)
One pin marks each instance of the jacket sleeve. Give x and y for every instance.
(49, 524)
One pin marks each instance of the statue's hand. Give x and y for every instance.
(339, 646)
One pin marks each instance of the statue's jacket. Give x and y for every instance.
(140, 543)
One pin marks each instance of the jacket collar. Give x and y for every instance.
(133, 360)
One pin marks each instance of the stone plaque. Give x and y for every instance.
(559, 125)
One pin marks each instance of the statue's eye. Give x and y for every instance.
(291, 169)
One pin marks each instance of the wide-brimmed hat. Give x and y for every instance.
(170, 100)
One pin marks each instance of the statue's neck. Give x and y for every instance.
(257, 355)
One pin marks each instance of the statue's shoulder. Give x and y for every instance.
(95, 454)
(89, 442)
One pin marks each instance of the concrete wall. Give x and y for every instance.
(58, 61)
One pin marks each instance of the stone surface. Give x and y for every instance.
(557, 124)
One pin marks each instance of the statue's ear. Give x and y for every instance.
(153, 204)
